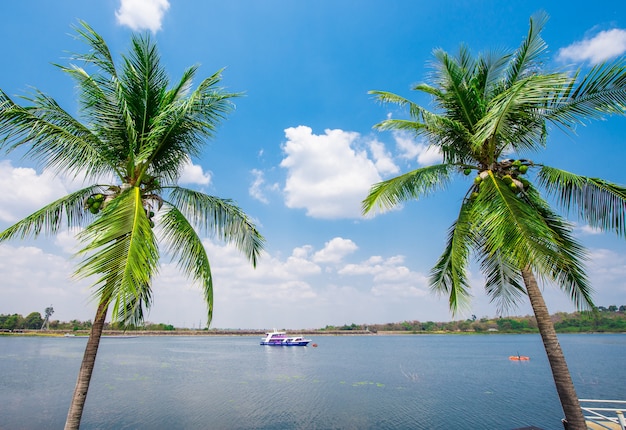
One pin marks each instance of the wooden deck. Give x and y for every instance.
(603, 425)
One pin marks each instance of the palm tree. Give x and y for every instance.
(142, 134)
(487, 110)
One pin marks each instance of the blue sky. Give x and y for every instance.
(299, 152)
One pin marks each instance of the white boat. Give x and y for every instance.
(280, 338)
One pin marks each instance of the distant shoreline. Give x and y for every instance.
(181, 332)
(249, 333)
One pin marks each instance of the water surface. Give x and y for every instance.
(347, 382)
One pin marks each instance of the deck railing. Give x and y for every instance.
(604, 414)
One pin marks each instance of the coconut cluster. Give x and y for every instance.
(150, 215)
(509, 171)
(95, 203)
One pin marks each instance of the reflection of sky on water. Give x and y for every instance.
(352, 382)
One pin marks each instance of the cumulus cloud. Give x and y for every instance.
(328, 175)
(382, 158)
(66, 240)
(601, 47)
(142, 14)
(390, 277)
(589, 230)
(33, 279)
(408, 148)
(335, 250)
(606, 267)
(26, 191)
(194, 174)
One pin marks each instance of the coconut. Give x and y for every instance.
(474, 195)
(507, 179)
(478, 180)
(94, 210)
(467, 171)
(523, 169)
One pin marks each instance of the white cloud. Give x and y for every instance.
(326, 174)
(26, 191)
(383, 160)
(194, 174)
(33, 279)
(335, 250)
(390, 277)
(607, 267)
(142, 14)
(256, 188)
(408, 148)
(589, 230)
(603, 46)
(66, 240)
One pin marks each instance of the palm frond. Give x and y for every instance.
(503, 281)
(184, 244)
(179, 130)
(565, 263)
(600, 203)
(508, 224)
(220, 218)
(409, 186)
(448, 277)
(601, 91)
(56, 140)
(99, 54)
(525, 59)
(122, 254)
(515, 118)
(67, 211)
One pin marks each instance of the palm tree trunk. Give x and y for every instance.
(86, 368)
(574, 418)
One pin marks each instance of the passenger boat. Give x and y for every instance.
(280, 338)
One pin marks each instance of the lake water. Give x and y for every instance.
(347, 382)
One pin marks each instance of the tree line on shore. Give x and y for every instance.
(601, 319)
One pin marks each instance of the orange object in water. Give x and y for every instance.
(314, 345)
(519, 357)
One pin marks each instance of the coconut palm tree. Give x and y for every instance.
(489, 111)
(140, 134)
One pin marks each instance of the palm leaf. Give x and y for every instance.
(221, 218)
(184, 244)
(508, 224)
(503, 281)
(122, 254)
(448, 276)
(57, 140)
(600, 203)
(412, 185)
(182, 124)
(564, 265)
(525, 60)
(67, 211)
(602, 90)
